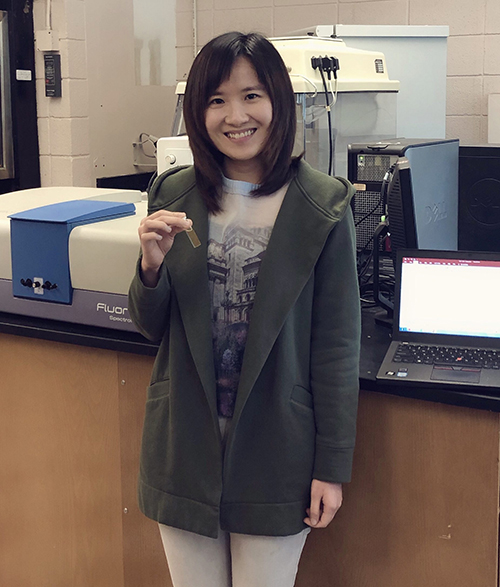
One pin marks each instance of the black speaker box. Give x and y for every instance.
(479, 198)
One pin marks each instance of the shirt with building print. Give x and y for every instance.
(238, 238)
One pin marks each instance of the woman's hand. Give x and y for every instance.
(326, 499)
(157, 233)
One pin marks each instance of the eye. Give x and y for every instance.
(252, 96)
(215, 101)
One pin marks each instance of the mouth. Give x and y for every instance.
(241, 134)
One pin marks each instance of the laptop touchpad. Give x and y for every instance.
(458, 375)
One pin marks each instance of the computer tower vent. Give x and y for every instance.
(373, 167)
(368, 210)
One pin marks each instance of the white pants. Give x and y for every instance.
(232, 560)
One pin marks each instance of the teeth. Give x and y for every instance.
(240, 135)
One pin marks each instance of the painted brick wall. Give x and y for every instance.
(89, 132)
(63, 123)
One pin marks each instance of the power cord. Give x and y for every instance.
(328, 65)
(383, 196)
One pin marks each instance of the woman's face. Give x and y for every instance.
(237, 119)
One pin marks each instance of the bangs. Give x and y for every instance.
(218, 70)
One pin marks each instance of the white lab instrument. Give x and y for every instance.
(102, 259)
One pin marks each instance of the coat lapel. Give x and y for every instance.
(296, 242)
(189, 274)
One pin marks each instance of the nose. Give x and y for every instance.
(236, 113)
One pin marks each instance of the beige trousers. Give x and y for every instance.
(231, 560)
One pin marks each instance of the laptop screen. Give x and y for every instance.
(450, 296)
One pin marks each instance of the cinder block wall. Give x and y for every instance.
(473, 46)
(63, 123)
(89, 132)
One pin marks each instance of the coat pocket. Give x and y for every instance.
(301, 396)
(158, 390)
(154, 465)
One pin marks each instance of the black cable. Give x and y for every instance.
(329, 113)
(383, 195)
(365, 266)
(382, 200)
(328, 65)
(370, 212)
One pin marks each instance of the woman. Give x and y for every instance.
(250, 416)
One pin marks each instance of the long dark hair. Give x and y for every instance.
(211, 67)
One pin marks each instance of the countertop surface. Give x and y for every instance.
(374, 343)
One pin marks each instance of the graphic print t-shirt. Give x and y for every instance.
(238, 238)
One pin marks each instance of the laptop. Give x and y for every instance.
(446, 327)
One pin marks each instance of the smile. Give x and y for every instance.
(240, 135)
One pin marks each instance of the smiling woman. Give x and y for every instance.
(250, 420)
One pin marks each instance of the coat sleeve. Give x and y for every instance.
(149, 306)
(335, 346)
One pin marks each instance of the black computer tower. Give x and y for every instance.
(479, 198)
(369, 167)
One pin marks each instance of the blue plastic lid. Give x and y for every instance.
(77, 211)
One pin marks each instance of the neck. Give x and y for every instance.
(248, 171)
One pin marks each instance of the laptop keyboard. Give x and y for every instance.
(449, 356)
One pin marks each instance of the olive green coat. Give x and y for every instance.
(295, 412)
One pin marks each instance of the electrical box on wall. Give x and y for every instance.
(52, 75)
(47, 40)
